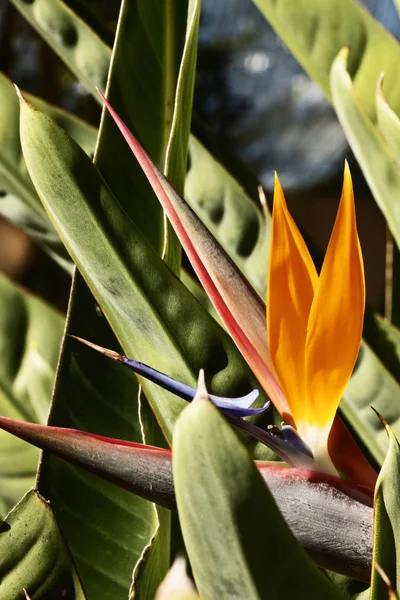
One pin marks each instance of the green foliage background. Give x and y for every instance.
(78, 192)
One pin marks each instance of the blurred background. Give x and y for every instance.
(250, 91)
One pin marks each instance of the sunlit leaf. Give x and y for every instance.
(34, 556)
(19, 202)
(386, 531)
(380, 166)
(71, 38)
(30, 338)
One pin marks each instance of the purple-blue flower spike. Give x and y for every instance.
(235, 407)
(285, 443)
(290, 435)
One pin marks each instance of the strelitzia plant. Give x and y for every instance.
(305, 356)
(292, 275)
(297, 349)
(314, 326)
(302, 411)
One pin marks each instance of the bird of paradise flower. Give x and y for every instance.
(305, 356)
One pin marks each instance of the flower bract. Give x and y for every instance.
(314, 322)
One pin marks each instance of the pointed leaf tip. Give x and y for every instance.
(379, 84)
(201, 391)
(383, 421)
(21, 99)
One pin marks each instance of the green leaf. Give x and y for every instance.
(155, 558)
(106, 527)
(350, 588)
(197, 291)
(238, 543)
(138, 103)
(228, 212)
(30, 338)
(371, 385)
(374, 153)
(133, 286)
(20, 203)
(157, 107)
(388, 122)
(151, 566)
(71, 38)
(224, 154)
(386, 530)
(384, 339)
(315, 31)
(33, 554)
(151, 34)
(258, 450)
(82, 132)
(177, 150)
(125, 528)
(228, 289)
(333, 522)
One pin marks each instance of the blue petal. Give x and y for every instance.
(290, 435)
(237, 411)
(239, 407)
(285, 442)
(290, 450)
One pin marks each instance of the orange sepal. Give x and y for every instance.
(336, 316)
(292, 278)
